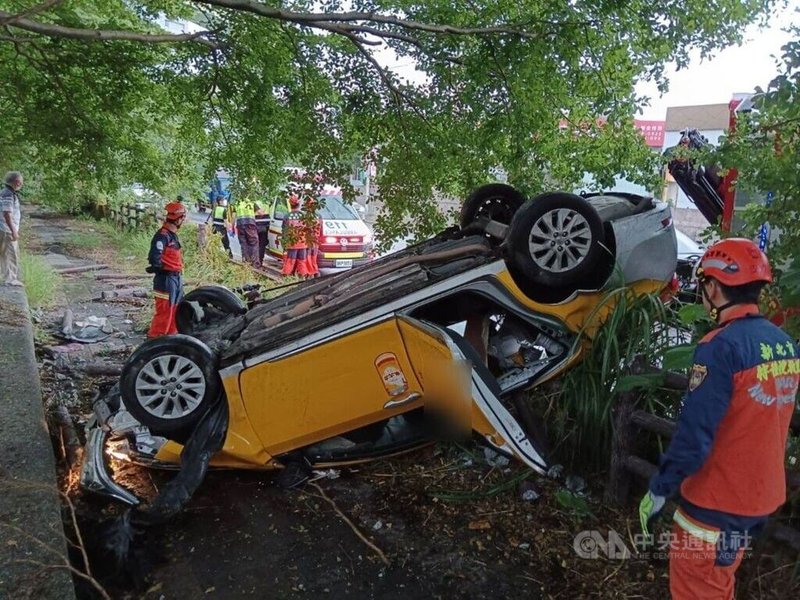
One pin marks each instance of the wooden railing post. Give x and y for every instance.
(624, 433)
(619, 478)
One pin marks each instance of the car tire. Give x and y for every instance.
(555, 240)
(168, 384)
(497, 201)
(203, 306)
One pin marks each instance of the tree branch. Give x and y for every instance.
(352, 22)
(310, 19)
(382, 72)
(36, 9)
(101, 35)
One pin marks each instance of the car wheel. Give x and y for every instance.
(205, 305)
(556, 239)
(169, 382)
(497, 201)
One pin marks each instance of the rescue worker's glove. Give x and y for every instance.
(649, 508)
(152, 269)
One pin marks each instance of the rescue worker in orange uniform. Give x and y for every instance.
(727, 456)
(166, 263)
(293, 240)
(312, 237)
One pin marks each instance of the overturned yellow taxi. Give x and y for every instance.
(350, 367)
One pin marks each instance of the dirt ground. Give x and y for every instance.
(443, 522)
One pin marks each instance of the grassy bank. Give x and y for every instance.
(42, 283)
(127, 249)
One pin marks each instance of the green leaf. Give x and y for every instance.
(692, 313)
(679, 358)
(632, 382)
(577, 505)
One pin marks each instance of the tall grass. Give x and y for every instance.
(637, 325)
(42, 283)
(210, 265)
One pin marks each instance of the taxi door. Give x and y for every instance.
(277, 213)
(330, 389)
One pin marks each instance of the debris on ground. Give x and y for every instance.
(555, 472)
(494, 458)
(575, 484)
(326, 474)
(91, 330)
(528, 492)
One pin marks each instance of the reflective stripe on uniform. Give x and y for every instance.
(709, 536)
(163, 295)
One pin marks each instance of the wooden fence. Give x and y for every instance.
(631, 424)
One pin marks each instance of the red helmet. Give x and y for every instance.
(175, 210)
(735, 261)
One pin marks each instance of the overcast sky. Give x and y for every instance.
(735, 69)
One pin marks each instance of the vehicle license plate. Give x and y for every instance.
(343, 262)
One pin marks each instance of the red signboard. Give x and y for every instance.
(653, 132)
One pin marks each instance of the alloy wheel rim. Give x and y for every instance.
(170, 386)
(559, 240)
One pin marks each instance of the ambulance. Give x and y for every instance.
(346, 240)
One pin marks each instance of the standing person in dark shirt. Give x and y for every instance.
(9, 229)
(166, 263)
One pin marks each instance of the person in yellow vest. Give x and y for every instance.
(247, 230)
(221, 223)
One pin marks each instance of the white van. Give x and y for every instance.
(346, 241)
